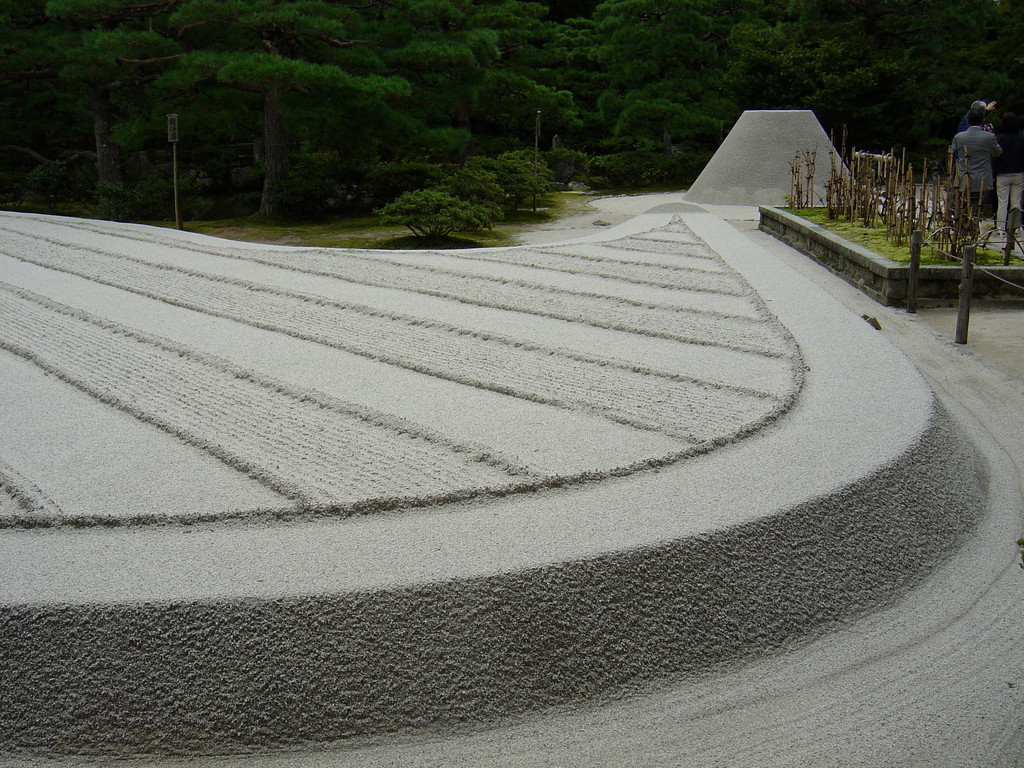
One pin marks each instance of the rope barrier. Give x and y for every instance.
(983, 239)
(1000, 278)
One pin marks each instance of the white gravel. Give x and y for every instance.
(936, 678)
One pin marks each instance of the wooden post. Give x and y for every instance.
(172, 136)
(963, 315)
(916, 238)
(1012, 224)
(536, 156)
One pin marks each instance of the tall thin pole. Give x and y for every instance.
(536, 155)
(177, 205)
(172, 136)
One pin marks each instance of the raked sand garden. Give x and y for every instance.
(345, 383)
(260, 498)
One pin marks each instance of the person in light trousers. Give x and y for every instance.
(1009, 167)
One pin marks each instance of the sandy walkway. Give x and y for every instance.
(937, 679)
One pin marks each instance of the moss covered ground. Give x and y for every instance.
(874, 239)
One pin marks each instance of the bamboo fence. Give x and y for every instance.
(883, 190)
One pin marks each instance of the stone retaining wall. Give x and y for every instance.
(880, 278)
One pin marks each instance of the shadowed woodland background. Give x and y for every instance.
(322, 107)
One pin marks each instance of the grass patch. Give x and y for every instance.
(367, 232)
(78, 210)
(873, 238)
(364, 231)
(443, 243)
(334, 232)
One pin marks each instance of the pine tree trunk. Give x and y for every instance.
(275, 148)
(462, 121)
(108, 163)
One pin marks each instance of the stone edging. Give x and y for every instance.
(882, 279)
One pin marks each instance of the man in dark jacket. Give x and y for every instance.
(976, 106)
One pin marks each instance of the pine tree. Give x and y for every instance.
(663, 61)
(271, 49)
(97, 41)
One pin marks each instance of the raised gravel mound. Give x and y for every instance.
(753, 166)
(591, 465)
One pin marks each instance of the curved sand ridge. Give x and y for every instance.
(326, 453)
(604, 578)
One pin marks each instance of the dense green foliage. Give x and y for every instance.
(435, 213)
(311, 106)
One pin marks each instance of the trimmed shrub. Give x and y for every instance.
(317, 184)
(140, 201)
(566, 164)
(516, 173)
(644, 169)
(50, 180)
(435, 213)
(388, 181)
(475, 185)
(11, 189)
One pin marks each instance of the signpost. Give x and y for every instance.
(536, 156)
(172, 137)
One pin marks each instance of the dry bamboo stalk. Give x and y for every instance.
(883, 190)
(810, 158)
